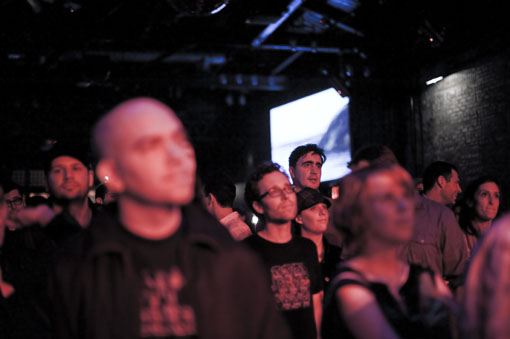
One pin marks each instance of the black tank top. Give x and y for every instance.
(427, 320)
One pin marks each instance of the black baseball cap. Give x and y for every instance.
(309, 197)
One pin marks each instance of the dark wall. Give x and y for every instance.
(463, 119)
(466, 119)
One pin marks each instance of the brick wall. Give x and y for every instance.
(465, 119)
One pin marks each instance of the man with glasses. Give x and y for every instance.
(291, 261)
(14, 198)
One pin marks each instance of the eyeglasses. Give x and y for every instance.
(16, 202)
(277, 192)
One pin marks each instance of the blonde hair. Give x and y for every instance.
(348, 212)
(486, 300)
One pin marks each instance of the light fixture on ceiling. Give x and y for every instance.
(194, 8)
(345, 5)
(433, 81)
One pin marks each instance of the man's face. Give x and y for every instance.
(307, 172)
(69, 179)
(314, 219)
(280, 208)
(14, 201)
(451, 189)
(154, 159)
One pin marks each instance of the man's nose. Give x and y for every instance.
(68, 174)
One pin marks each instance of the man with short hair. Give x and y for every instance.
(441, 183)
(69, 179)
(219, 196)
(153, 266)
(291, 261)
(305, 166)
(14, 197)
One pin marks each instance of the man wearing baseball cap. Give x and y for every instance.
(312, 221)
(69, 179)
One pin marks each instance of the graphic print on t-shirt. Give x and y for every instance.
(161, 313)
(290, 284)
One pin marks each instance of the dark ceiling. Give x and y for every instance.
(64, 62)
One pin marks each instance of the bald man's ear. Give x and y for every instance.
(298, 219)
(106, 168)
(257, 206)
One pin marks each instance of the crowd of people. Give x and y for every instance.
(164, 254)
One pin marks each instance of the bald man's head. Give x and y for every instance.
(108, 131)
(145, 152)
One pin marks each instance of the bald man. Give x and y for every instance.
(153, 265)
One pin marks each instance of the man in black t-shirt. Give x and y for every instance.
(153, 265)
(291, 261)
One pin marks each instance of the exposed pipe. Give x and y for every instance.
(293, 6)
(286, 62)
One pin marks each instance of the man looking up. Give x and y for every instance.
(441, 183)
(152, 267)
(291, 261)
(305, 166)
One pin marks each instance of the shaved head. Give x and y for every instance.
(109, 130)
(145, 153)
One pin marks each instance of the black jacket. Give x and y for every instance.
(94, 287)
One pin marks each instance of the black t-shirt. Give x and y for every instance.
(295, 276)
(166, 300)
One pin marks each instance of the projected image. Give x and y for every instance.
(321, 118)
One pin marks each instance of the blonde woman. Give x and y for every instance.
(375, 294)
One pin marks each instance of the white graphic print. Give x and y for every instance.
(291, 286)
(161, 314)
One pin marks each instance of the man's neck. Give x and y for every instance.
(149, 221)
(222, 212)
(276, 232)
(80, 211)
(434, 195)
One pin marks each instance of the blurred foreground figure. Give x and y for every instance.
(376, 294)
(487, 288)
(152, 267)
